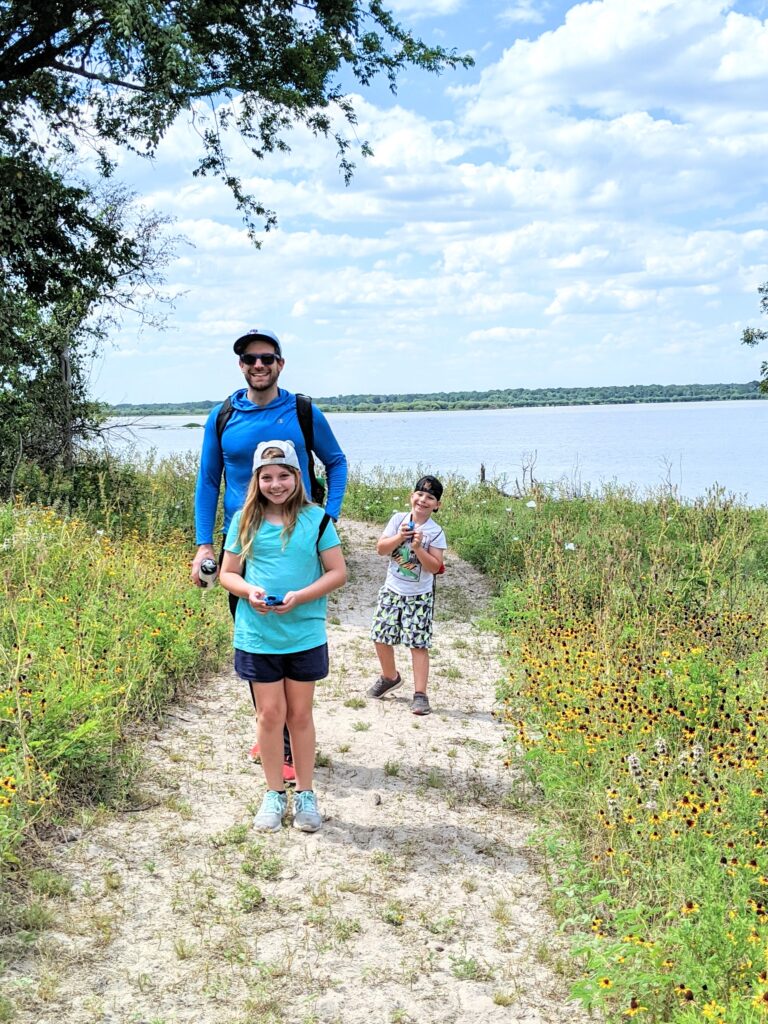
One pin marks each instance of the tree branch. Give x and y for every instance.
(82, 72)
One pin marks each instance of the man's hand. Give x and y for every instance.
(203, 552)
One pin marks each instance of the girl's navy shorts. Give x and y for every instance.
(303, 666)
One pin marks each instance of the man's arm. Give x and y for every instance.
(208, 482)
(334, 460)
(207, 495)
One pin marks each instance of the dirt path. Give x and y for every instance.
(418, 900)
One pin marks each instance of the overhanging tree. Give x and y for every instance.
(121, 72)
(77, 76)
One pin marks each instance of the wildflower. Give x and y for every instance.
(634, 1008)
(689, 907)
(761, 1001)
(712, 1009)
(605, 983)
(636, 769)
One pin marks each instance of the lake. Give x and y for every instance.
(691, 445)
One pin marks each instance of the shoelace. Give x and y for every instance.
(305, 801)
(273, 804)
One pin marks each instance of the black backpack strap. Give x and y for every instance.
(304, 416)
(321, 529)
(223, 417)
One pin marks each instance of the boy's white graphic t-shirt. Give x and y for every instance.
(405, 573)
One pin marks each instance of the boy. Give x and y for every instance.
(416, 547)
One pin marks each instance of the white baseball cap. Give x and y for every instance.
(289, 457)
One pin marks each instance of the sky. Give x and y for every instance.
(585, 206)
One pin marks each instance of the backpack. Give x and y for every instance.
(304, 416)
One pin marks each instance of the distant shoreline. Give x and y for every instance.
(515, 398)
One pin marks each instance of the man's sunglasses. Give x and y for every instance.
(266, 358)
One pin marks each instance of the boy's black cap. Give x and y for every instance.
(431, 484)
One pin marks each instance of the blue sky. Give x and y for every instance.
(586, 206)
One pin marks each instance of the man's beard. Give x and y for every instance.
(264, 383)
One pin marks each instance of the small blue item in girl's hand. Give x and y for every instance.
(273, 599)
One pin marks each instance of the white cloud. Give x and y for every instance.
(524, 12)
(424, 8)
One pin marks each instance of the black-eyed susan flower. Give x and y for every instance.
(634, 1008)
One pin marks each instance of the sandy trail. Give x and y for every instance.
(417, 901)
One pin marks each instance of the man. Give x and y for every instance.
(261, 411)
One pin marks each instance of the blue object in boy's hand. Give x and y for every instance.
(272, 600)
(411, 524)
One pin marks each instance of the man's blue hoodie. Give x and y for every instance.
(248, 425)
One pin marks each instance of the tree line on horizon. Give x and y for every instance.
(508, 398)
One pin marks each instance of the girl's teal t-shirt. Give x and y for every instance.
(279, 568)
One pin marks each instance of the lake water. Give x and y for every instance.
(692, 445)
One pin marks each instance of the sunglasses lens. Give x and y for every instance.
(266, 359)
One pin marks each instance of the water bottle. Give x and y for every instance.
(208, 572)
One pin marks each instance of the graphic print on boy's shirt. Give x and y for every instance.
(407, 566)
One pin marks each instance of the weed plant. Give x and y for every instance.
(99, 626)
(635, 696)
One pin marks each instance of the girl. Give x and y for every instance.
(282, 556)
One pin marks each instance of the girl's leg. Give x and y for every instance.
(301, 725)
(420, 661)
(270, 701)
(386, 656)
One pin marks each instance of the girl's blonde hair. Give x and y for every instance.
(252, 515)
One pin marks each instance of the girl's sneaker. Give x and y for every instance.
(305, 813)
(271, 812)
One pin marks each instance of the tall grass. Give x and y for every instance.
(635, 698)
(99, 627)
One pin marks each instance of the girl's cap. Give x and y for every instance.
(430, 484)
(288, 458)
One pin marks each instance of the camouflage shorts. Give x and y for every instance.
(403, 619)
